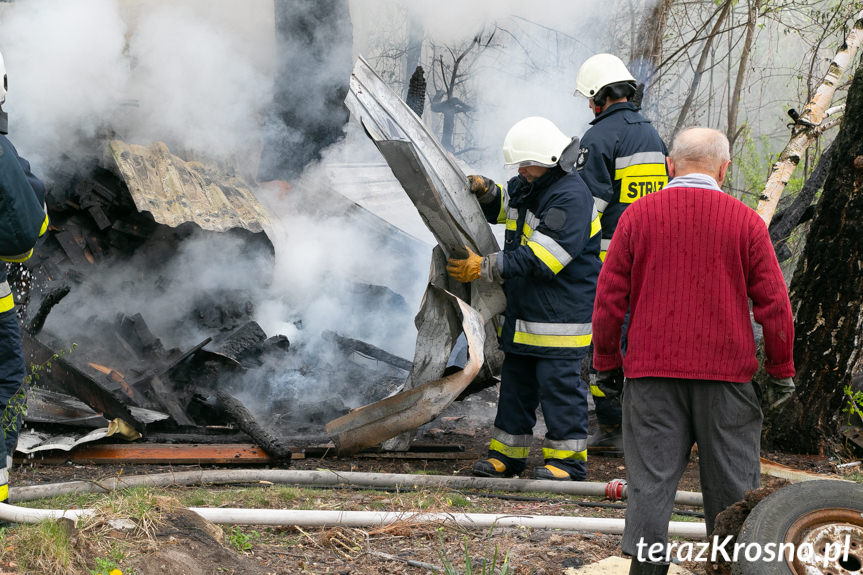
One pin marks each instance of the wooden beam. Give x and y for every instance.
(163, 453)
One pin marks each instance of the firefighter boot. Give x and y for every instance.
(552, 473)
(637, 567)
(609, 437)
(4, 491)
(492, 467)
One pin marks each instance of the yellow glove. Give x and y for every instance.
(479, 185)
(465, 270)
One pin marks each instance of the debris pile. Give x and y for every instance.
(137, 216)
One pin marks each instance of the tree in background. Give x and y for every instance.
(451, 70)
(827, 297)
(314, 60)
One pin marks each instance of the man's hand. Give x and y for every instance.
(777, 391)
(466, 270)
(611, 384)
(479, 185)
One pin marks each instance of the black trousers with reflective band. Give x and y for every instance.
(554, 383)
(662, 419)
(12, 371)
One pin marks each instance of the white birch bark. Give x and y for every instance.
(808, 126)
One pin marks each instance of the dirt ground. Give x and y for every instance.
(186, 545)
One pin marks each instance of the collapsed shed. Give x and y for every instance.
(114, 231)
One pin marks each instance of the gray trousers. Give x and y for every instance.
(662, 419)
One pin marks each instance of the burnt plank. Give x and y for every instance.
(138, 335)
(103, 191)
(99, 217)
(350, 345)
(94, 247)
(130, 229)
(166, 399)
(67, 378)
(71, 248)
(156, 453)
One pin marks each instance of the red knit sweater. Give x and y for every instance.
(686, 261)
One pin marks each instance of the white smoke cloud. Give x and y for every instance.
(195, 81)
(67, 73)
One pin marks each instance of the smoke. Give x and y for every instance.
(199, 76)
(528, 67)
(183, 73)
(67, 73)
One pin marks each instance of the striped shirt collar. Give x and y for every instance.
(694, 180)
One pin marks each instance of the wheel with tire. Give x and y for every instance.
(825, 517)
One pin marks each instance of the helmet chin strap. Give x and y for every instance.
(4, 122)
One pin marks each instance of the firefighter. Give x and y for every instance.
(548, 267)
(22, 220)
(621, 159)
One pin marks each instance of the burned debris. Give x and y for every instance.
(227, 378)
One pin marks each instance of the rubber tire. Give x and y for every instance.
(771, 518)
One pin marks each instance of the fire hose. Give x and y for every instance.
(615, 489)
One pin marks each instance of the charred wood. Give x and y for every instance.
(417, 92)
(350, 345)
(67, 378)
(247, 422)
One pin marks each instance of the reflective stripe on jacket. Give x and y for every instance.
(550, 263)
(22, 214)
(621, 159)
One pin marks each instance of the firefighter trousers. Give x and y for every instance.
(12, 371)
(554, 384)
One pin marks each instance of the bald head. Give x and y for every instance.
(699, 150)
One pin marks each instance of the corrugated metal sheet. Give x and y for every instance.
(175, 191)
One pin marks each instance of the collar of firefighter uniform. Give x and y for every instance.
(523, 190)
(613, 109)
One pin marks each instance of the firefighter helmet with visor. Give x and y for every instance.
(599, 71)
(534, 141)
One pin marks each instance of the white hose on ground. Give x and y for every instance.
(326, 518)
(321, 518)
(14, 514)
(329, 478)
(317, 518)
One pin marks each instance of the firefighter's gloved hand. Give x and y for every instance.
(482, 187)
(778, 391)
(611, 384)
(466, 270)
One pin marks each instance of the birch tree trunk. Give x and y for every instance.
(827, 299)
(808, 126)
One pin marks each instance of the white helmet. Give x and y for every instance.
(534, 141)
(599, 71)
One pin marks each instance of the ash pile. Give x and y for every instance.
(140, 305)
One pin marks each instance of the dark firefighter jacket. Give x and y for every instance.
(621, 159)
(22, 213)
(550, 263)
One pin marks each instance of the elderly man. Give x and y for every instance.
(686, 261)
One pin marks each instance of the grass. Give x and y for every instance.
(40, 548)
(239, 539)
(489, 563)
